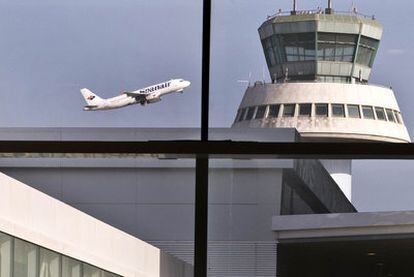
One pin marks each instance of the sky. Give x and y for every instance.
(50, 49)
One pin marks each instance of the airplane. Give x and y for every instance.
(147, 95)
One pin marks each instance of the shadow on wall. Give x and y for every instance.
(173, 267)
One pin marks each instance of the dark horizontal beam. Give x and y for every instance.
(216, 149)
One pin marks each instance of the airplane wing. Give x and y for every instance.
(138, 96)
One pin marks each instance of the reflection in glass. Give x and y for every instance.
(368, 112)
(260, 112)
(366, 51)
(390, 115)
(380, 113)
(284, 48)
(289, 110)
(90, 271)
(305, 109)
(25, 259)
(353, 111)
(250, 113)
(71, 267)
(321, 109)
(273, 111)
(336, 47)
(338, 110)
(5, 255)
(49, 263)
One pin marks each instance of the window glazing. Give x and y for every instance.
(366, 51)
(71, 267)
(398, 117)
(321, 109)
(243, 114)
(368, 112)
(289, 110)
(353, 111)
(390, 115)
(5, 255)
(380, 113)
(261, 110)
(336, 47)
(250, 113)
(284, 48)
(273, 111)
(338, 110)
(305, 109)
(19, 258)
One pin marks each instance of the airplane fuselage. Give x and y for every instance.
(142, 96)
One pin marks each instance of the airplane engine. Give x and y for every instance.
(153, 99)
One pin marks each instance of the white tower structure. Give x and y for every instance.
(320, 64)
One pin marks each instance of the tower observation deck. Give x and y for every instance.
(320, 64)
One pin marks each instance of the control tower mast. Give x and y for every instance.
(320, 64)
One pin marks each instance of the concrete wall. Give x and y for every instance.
(35, 217)
(317, 127)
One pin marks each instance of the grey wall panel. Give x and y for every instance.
(165, 222)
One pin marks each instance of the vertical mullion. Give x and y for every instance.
(201, 189)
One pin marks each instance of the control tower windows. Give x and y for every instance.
(289, 110)
(243, 114)
(380, 113)
(261, 110)
(336, 47)
(368, 112)
(305, 109)
(250, 113)
(398, 117)
(321, 109)
(353, 111)
(273, 111)
(283, 48)
(338, 110)
(366, 51)
(390, 115)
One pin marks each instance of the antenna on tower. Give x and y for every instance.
(329, 10)
(295, 7)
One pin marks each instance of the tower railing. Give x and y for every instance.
(320, 11)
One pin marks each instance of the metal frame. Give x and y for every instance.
(204, 149)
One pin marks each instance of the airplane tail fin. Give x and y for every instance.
(91, 98)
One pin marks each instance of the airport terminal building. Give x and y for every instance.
(125, 215)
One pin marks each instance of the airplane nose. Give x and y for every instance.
(187, 83)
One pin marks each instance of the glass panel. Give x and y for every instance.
(321, 109)
(273, 111)
(5, 255)
(353, 111)
(291, 47)
(25, 259)
(71, 267)
(397, 117)
(380, 113)
(368, 112)
(260, 112)
(49, 263)
(305, 109)
(91, 271)
(250, 113)
(108, 274)
(366, 51)
(289, 110)
(104, 61)
(390, 115)
(338, 110)
(336, 47)
(243, 114)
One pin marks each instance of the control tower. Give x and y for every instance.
(320, 63)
